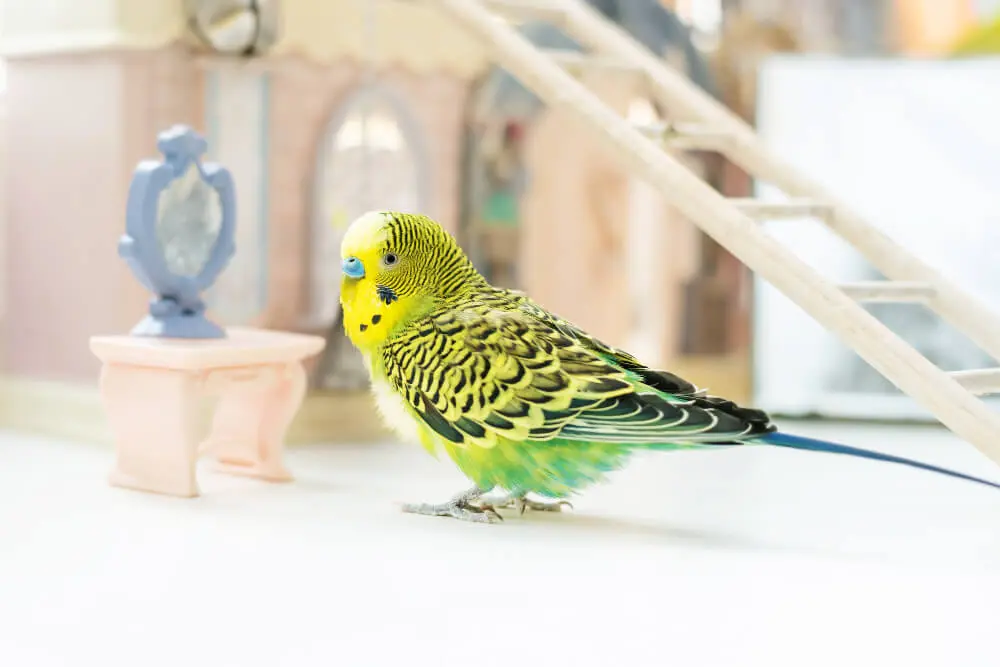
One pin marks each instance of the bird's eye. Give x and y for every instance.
(390, 259)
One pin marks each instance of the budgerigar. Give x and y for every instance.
(522, 401)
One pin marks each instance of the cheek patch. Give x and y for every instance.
(386, 295)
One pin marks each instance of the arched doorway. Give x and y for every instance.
(370, 156)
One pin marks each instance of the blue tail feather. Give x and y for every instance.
(812, 445)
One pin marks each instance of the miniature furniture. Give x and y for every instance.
(951, 397)
(180, 235)
(153, 388)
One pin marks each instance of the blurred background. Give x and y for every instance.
(324, 109)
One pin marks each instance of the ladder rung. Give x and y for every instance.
(979, 382)
(525, 10)
(690, 136)
(793, 208)
(577, 63)
(888, 291)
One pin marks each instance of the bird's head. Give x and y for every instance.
(398, 265)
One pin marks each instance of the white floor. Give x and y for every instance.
(743, 558)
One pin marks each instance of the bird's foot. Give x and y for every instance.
(460, 507)
(521, 504)
(464, 511)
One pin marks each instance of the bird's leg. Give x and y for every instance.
(460, 507)
(520, 502)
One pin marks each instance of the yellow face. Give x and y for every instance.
(397, 268)
(371, 311)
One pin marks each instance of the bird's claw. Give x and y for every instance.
(463, 511)
(473, 506)
(522, 504)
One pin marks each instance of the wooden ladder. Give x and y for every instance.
(708, 125)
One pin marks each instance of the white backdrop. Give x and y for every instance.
(914, 146)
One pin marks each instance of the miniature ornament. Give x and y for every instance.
(180, 228)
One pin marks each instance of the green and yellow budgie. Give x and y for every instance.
(522, 401)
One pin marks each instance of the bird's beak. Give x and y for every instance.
(352, 267)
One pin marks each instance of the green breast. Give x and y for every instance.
(555, 468)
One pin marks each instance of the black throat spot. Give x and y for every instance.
(385, 294)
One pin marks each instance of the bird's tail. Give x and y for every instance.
(812, 445)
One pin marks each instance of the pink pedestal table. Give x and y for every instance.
(152, 389)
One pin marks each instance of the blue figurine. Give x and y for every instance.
(180, 228)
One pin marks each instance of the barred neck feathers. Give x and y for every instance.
(431, 261)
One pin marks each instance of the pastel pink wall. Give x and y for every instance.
(76, 127)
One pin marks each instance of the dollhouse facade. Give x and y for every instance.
(331, 122)
(287, 126)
